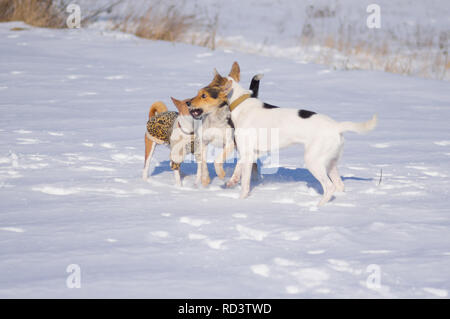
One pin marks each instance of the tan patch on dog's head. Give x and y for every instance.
(211, 96)
(235, 72)
(181, 106)
(218, 80)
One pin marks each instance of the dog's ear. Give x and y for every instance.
(226, 88)
(235, 72)
(175, 101)
(181, 106)
(218, 79)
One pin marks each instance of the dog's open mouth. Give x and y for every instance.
(196, 113)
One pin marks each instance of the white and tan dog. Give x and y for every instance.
(173, 129)
(217, 129)
(177, 130)
(321, 135)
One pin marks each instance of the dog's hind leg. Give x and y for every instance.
(318, 169)
(149, 149)
(320, 173)
(333, 172)
(176, 173)
(335, 177)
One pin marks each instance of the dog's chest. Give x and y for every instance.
(215, 128)
(183, 142)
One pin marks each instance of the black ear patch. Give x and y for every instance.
(269, 106)
(304, 114)
(213, 92)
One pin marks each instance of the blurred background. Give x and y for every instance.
(412, 39)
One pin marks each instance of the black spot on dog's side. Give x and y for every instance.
(304, 114)
(269, 106)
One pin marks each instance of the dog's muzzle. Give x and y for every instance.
(196, 113)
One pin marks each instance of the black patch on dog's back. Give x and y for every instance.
(269, 106)
(304, 114)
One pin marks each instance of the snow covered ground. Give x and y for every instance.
(73, 108)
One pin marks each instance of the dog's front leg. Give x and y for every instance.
(218, 163)
(198, 159)
(204, 166)
(177, 155)
(246, 177)
(235, 178)
(198, 178)
(176, 172)
(177, 177)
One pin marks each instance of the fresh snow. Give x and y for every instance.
(73, 110)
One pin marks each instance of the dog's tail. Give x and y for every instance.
(157, 107)
(254, 85)
(359, 128)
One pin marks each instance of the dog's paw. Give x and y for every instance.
(221, 174)
(243, 195)
(218, 167)
(325, 199)
(231, 183)
(206, 181)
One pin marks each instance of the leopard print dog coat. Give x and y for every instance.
(160, 127)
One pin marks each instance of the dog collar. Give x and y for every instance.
(238, 101)
(179, 126)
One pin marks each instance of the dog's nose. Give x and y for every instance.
(188, 103)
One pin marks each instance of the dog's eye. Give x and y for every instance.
(203, 96)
